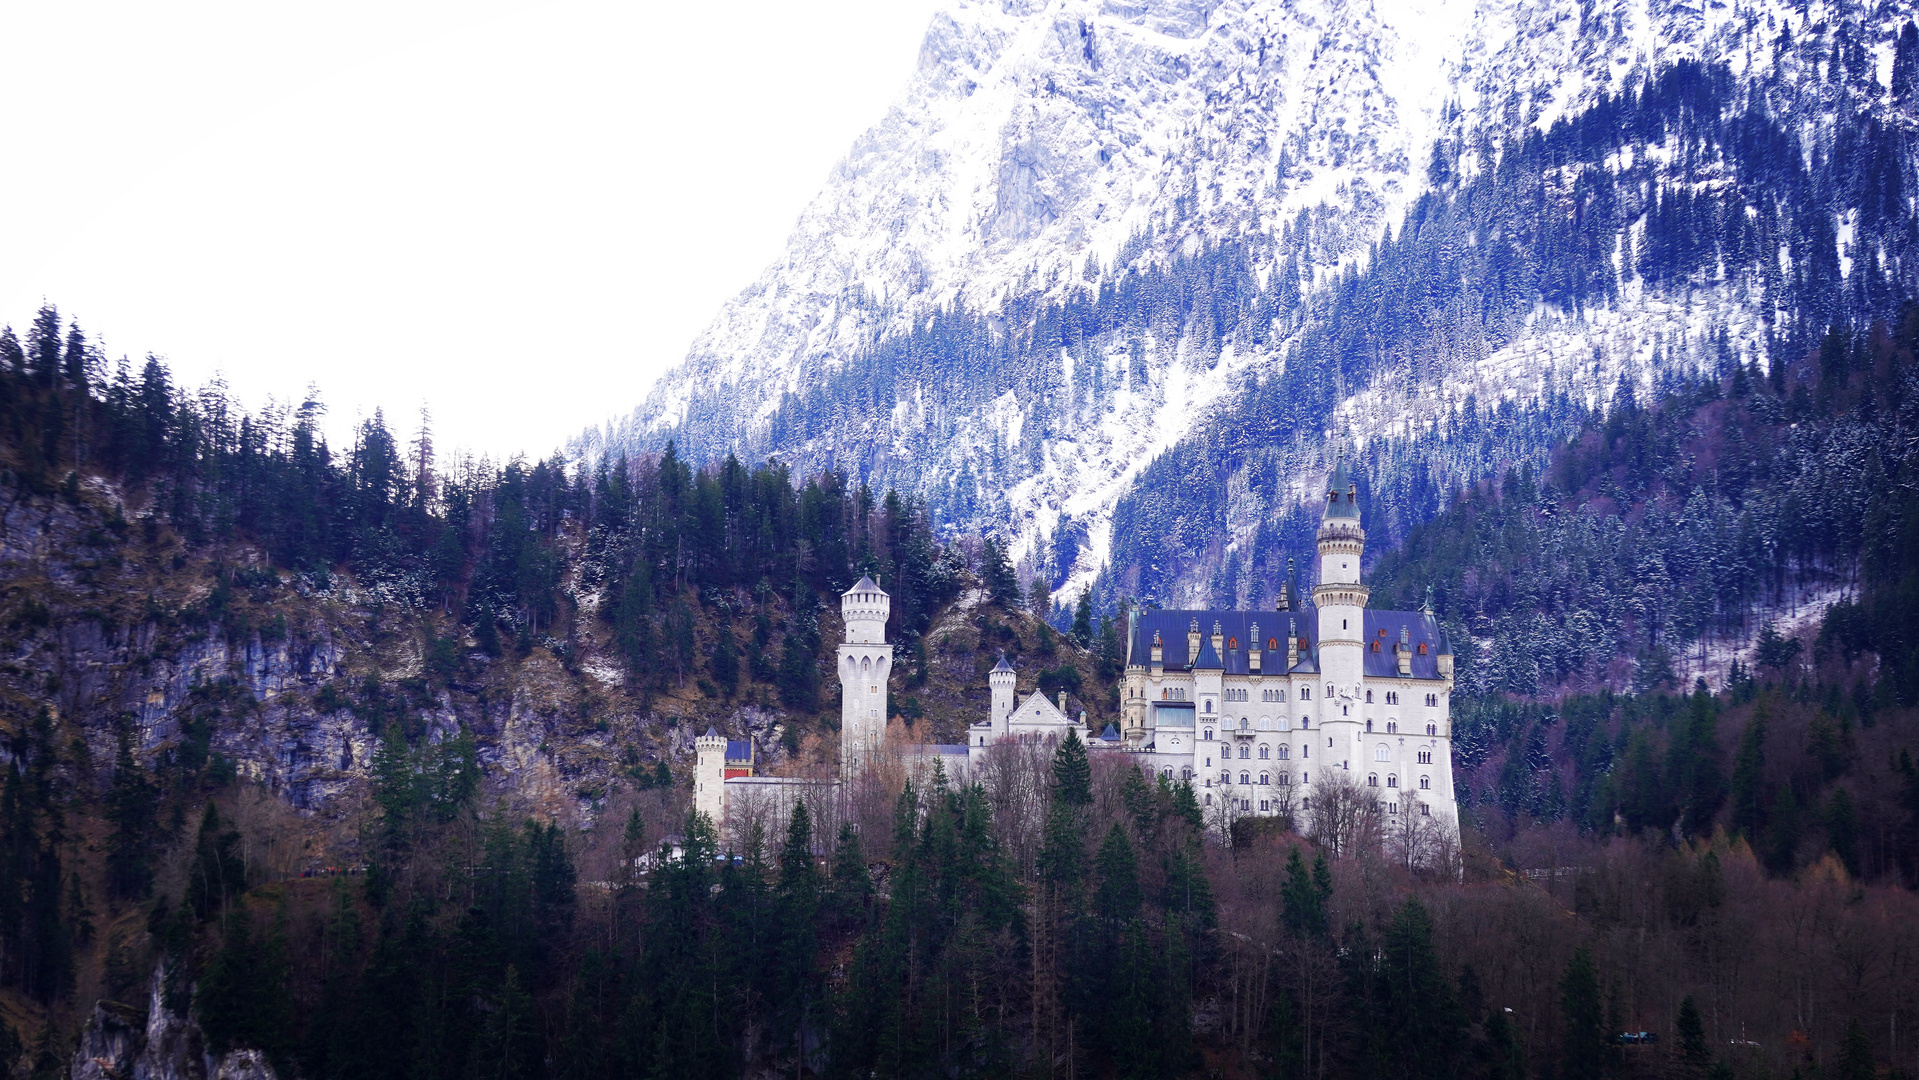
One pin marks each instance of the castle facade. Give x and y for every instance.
(1258, 710)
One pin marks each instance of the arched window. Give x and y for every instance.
(1369, 725)
(1372, 779)
(1381, 753)
(1225, 778)
(1285, 752)
(1392, 780)
(1305, 693)
(1392, 727)
(1432, 729)
(1425, 783)
(1392, 808)
(1285, 780)
(1263, 778)
(1245, 751)
(1425, 811)
(1369, 697)
(1425, 757)
(1305, 804)
(1329, 689)
(1245, 724)
(1167, 772)
(1305, 722)
(1243, 778)
(1209, 734)
(1209, 704)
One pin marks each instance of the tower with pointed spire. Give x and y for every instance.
(1341, 601)
(865, 662)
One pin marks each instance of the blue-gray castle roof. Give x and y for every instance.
(1382, 628)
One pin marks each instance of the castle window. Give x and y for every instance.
(1425, 811)
(1306, 778)
(1284, 780)
(1329, 689)
(1369, 725)
(1245, 751)
(1285, 752)
(1372, 780)
(1262, 806)
(1425, 757)
(1380, 753)
(1209, 735)
(1305, 693)
(1232, 643)
(1272, 643)
(1186, 776)
(1392, 727)
(1392, 808)
(1263, 777)
(1244, 723)
(1209, 704)
(1305, 722)
(1425, 783)
(1209, 800)
(1263, 751)
(1369, 697)
(1422, 648)
(1305, 751)
(1392, 781)
(1243, 778)
(1167, 772)
(1305, 804)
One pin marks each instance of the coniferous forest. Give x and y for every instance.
(355, 762)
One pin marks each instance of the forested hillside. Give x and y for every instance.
(349, 764)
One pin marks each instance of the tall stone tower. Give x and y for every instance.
(1341, 601)
(1002, 679)
(865, 662)
(709, 777)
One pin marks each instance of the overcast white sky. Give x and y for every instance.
(519, 213)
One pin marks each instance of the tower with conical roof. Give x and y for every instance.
(865, 662)
(1341, 602)
(1002, 679)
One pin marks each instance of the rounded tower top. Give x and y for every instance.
(865, 608)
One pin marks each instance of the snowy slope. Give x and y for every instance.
(1047, 144)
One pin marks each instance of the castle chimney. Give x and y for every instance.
(1192, 643)
(1253, 651)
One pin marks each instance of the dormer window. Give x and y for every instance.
(1232, 643)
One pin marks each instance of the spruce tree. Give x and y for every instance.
(1582, 1032)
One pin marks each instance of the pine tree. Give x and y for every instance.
(1582, 1031)
(1695, 1055)
(1072, 773)
(1083, 620)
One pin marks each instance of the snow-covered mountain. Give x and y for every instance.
(1093, 235)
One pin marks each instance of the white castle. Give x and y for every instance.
(1256, 709)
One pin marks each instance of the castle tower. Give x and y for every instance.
(709, 777)
(1002, 679)
(1341, 601)
(864, 664)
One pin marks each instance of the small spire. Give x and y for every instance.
(1002, 665)
(1337, 507)
(1428, 608)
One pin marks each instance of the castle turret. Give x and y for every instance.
(865, 662)
(1002, 679)
(1341, 602)
(709, 776)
